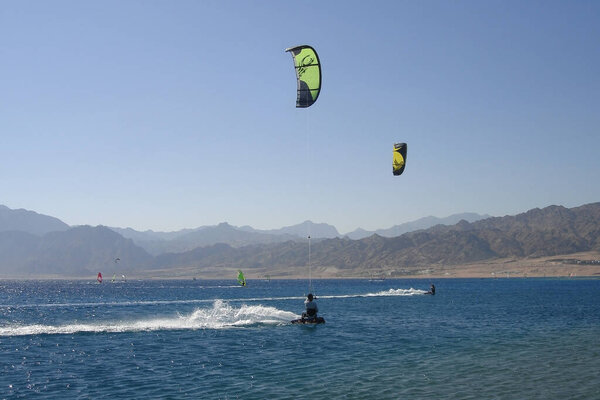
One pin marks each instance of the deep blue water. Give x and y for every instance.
(475, 339)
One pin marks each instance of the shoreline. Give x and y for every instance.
(579, 265)
(395, 278)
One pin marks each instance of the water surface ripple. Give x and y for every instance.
(491, 339)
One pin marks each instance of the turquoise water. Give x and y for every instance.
(475, 339)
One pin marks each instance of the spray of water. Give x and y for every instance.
(220, 316)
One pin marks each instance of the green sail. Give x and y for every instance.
(399, 158)
(308, 73)
(241, 279)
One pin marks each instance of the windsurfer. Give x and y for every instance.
(311, 308)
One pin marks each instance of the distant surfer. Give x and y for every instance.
(431, 290)
(311, 308)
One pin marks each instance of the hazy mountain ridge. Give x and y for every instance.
(550, 231)
(301, 230)
(421, 223)
(85, 250)
(29, 221)
(156, 243)
(181, 241)
(150, 235)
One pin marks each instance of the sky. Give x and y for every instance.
(166, 115)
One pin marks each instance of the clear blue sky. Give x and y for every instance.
(176, 114)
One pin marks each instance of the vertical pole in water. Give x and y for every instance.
(309, 268)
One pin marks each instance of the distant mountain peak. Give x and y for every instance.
(29, 221)
(421, 223)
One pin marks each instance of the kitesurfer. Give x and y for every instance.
(311, 308)
(431, 289)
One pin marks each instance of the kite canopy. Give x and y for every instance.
(399, 158)
(308, 72)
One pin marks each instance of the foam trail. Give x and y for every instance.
(107, 303)
(390, 292)
(399, 292)
(384, 293)
(220, 316)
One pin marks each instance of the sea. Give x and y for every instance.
(509, 338)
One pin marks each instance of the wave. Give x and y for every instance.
(220, 316)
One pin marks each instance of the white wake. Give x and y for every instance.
(389, 292)
(220, 316)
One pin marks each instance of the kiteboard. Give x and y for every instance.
(312, 321)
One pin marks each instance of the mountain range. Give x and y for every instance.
(78, 251)
(157, 243)
(421, 223)
(33, 245)
(29, 221)
(183, 240)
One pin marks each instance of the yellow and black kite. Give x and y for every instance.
(399, 158)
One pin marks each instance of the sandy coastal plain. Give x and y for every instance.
(571, 265)
(576, 265)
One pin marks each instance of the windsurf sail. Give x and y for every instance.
(114, 278)
(99, 278)
(241, 279)
(399, 158)
(308, 74)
